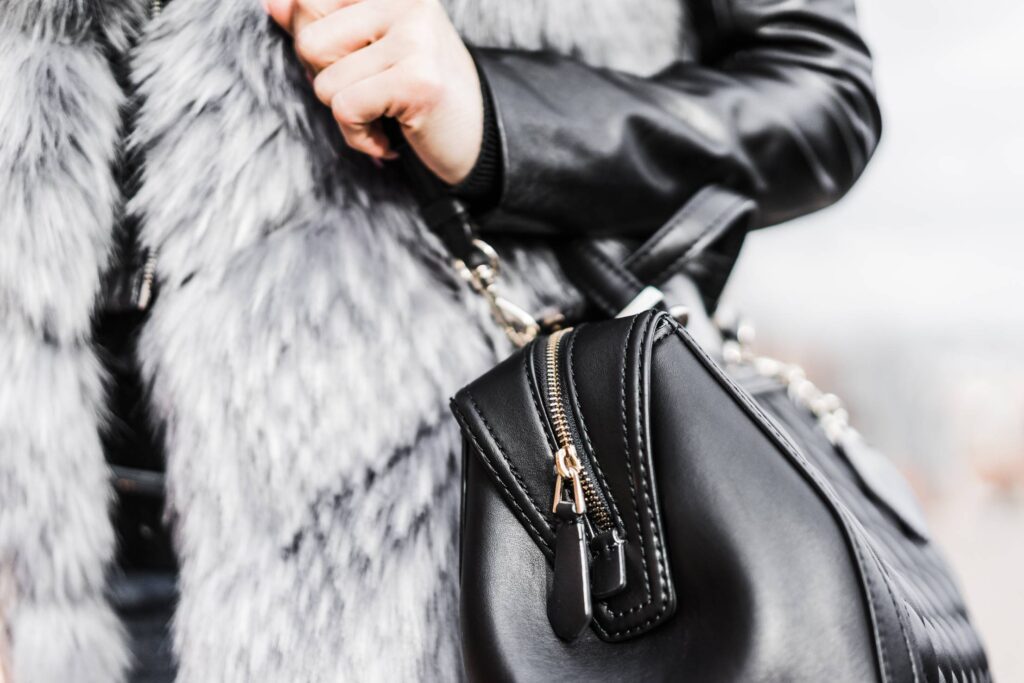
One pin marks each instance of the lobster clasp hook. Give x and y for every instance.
(519, 326)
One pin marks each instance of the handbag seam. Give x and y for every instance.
(849, 523)
(823, 486)
(662, 568)
(883, 652)
(899, 615)
(647, 499)
(629, 469)
(571, 353)
(515, 473)
(855, 525)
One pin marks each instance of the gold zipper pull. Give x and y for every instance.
(569, 601)
(567, 466)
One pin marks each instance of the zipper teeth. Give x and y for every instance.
(555, 391)
(155, 7)
(599, 512)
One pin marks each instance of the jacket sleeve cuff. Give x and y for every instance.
(481, 189)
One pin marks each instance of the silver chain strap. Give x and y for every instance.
(827, 408)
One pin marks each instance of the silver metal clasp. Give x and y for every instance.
(519, 326)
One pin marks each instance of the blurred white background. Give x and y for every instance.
(907, 299)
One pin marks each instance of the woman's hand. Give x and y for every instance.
(396, 58)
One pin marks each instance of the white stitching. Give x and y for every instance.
(662, 569)
(483, 453)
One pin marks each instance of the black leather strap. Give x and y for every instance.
(443, 213)
(702, 239)
(700, 226)
(702, 242)
(599, 275)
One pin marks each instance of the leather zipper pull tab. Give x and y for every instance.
(569, 604)
(608, 566)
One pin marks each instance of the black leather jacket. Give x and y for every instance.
(779, 105)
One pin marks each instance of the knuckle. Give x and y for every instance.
(309, 44)
(303, 41)
(343, 111)
(418, 22)
(321, 88)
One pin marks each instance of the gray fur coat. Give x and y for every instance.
(299, 356)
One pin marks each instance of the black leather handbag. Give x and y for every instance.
(636, 510)
(631, 512)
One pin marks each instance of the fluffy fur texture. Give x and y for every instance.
(301, 351)
(59, 130)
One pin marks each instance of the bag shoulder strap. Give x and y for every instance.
(702, 240)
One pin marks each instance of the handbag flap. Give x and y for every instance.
(505, 420)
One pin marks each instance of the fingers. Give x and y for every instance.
(404, 92)
(310, 11)
(358, 107)
(361, 64)
(370, 140)
(400, 59)
(325, 41)
(294, 15)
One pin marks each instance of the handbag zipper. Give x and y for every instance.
(568, 465)
(582, 509)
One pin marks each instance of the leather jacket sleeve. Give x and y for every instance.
(780, 105)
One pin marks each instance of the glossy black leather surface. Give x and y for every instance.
(700, 242)
(769, 584)
(909, 571)
(779, 106)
